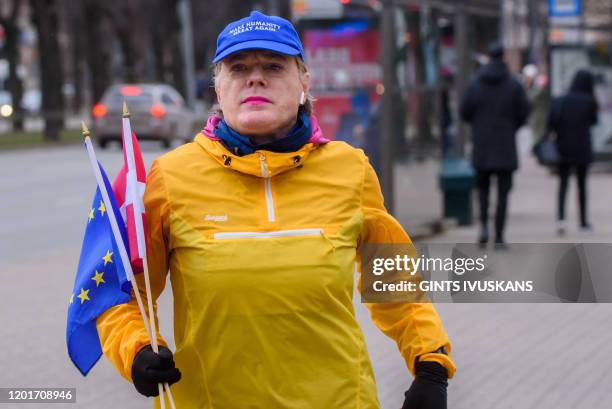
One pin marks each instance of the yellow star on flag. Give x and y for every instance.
(84, 296)
(91, 215)
(108, 257)
(71, 298)
(98, 278)
(102, 208)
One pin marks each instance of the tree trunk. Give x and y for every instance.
(99, 50)
(133, 31)
(75, 29)
(78, 67)
(11, 53)
(45, 18)
(157, 32)
(422, 97)
(14, 84)
(169, 51)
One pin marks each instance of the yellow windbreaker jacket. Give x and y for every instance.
(261, 251)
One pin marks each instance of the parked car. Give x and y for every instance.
(157, 112)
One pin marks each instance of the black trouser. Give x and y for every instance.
(504, 184)
(581, 174)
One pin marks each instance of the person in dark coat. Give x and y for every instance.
(571, 117)
(496, 106)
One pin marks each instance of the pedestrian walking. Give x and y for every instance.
(496, 106)
(260, 221)
(571, 117)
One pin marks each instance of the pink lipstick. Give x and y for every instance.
(255, 100)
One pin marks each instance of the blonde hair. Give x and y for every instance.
(302, 68)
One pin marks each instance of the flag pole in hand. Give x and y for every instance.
(116, 234)
(132, 183)
(118, 238)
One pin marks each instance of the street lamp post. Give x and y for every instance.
(184, 12)
(463, 60)
(387, 123)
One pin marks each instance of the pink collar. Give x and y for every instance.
(316, 138)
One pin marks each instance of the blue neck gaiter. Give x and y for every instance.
(241, 145)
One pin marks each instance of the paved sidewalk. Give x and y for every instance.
(544, 356)
(418, 202)
(533, 203)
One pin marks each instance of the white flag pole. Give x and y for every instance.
(132, 185)
(113, 221)
(115, 228)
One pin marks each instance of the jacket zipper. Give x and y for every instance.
(267, 234)
(268, 188)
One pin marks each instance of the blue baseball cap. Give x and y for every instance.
(259, 32)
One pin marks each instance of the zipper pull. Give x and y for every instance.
(264, 165)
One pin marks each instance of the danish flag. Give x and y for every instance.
(129, 186)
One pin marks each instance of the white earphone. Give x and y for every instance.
(302, 96)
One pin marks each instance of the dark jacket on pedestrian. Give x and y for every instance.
(496, 106)
(571, 117)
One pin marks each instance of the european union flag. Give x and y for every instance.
(100, 283)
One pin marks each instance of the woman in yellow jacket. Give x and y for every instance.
(259, 222)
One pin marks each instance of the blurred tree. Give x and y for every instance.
(157, 19)
(149, 36)
(167, 44)
(131, 23)
(77, 56)
(8, 19)
(45, 18)
(99, 36)
(106, 23)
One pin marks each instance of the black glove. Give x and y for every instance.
(149, 369)
(428, 390)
